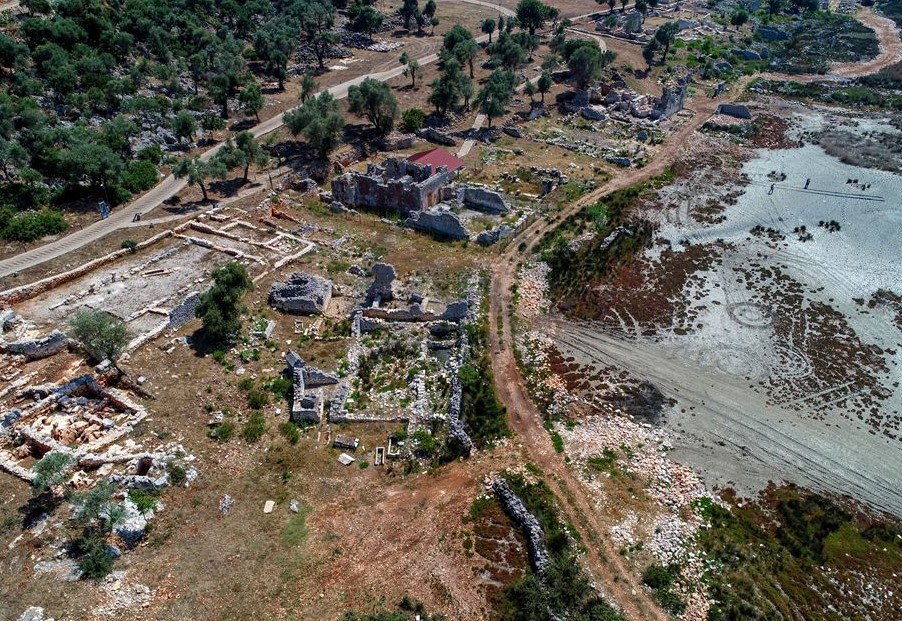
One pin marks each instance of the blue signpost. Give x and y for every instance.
(104, 210)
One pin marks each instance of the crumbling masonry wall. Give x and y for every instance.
(399, 185)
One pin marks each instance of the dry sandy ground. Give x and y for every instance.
(782, 373)
(734, 439)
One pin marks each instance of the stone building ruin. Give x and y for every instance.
(425, 193)
(398, 185)
(301, 294)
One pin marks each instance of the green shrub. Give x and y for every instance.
(425, 442)
(140, 175)
(100, 334)
(27, 227)
(254, 428)
(94, 560)
(279, 386)
(144, 499)
(152, 154)
(363, 465)
(557, 441)
(256, 398)
(177, 475)
(223, 432)
(658, 576)
(129, 244)
(290, 432)
(246, 384)
(413, 119)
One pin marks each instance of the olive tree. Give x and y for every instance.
(100, 334)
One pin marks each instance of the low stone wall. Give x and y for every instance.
(519, 515)
(41, 348)
(25, 292)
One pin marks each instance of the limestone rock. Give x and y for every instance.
(735, 110)
(132, 525)
(593, 113)
(482, 199)
(40, 348)
(433, 135)
(34, 613)
(440, 221)
(383, 282)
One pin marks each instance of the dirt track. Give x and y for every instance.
(605, 564)
(781, 444)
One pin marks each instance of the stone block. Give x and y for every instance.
(439, 221)
(383, 282)
(593, 113)
(482, 199)
(735, 110)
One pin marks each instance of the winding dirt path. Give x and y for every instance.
(603, 561)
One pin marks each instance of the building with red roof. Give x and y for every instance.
(437, 157)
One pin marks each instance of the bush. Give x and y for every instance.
(177, 475)
(95, 561)
(28, 227)
(279, 386)
(425, 442)
(254, 427)
(290, 432)
(220, 307)
(152, 154)
(129, 244)
(50, 471)
(140, 175)
(557, 441)
(144, 499)
(102, 335)
(223, 432)
(413, 119)
(256, 398)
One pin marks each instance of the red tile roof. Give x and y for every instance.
(437, 157)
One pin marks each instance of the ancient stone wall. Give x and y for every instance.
(398, 186)
(25, 292)
(519, 515)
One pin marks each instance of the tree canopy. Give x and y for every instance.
(496, 94)
(320, 120)
(220, 305)
(100, 334)
(531, 14)
(374, 100)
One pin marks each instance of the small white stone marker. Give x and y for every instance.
(268, 506)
